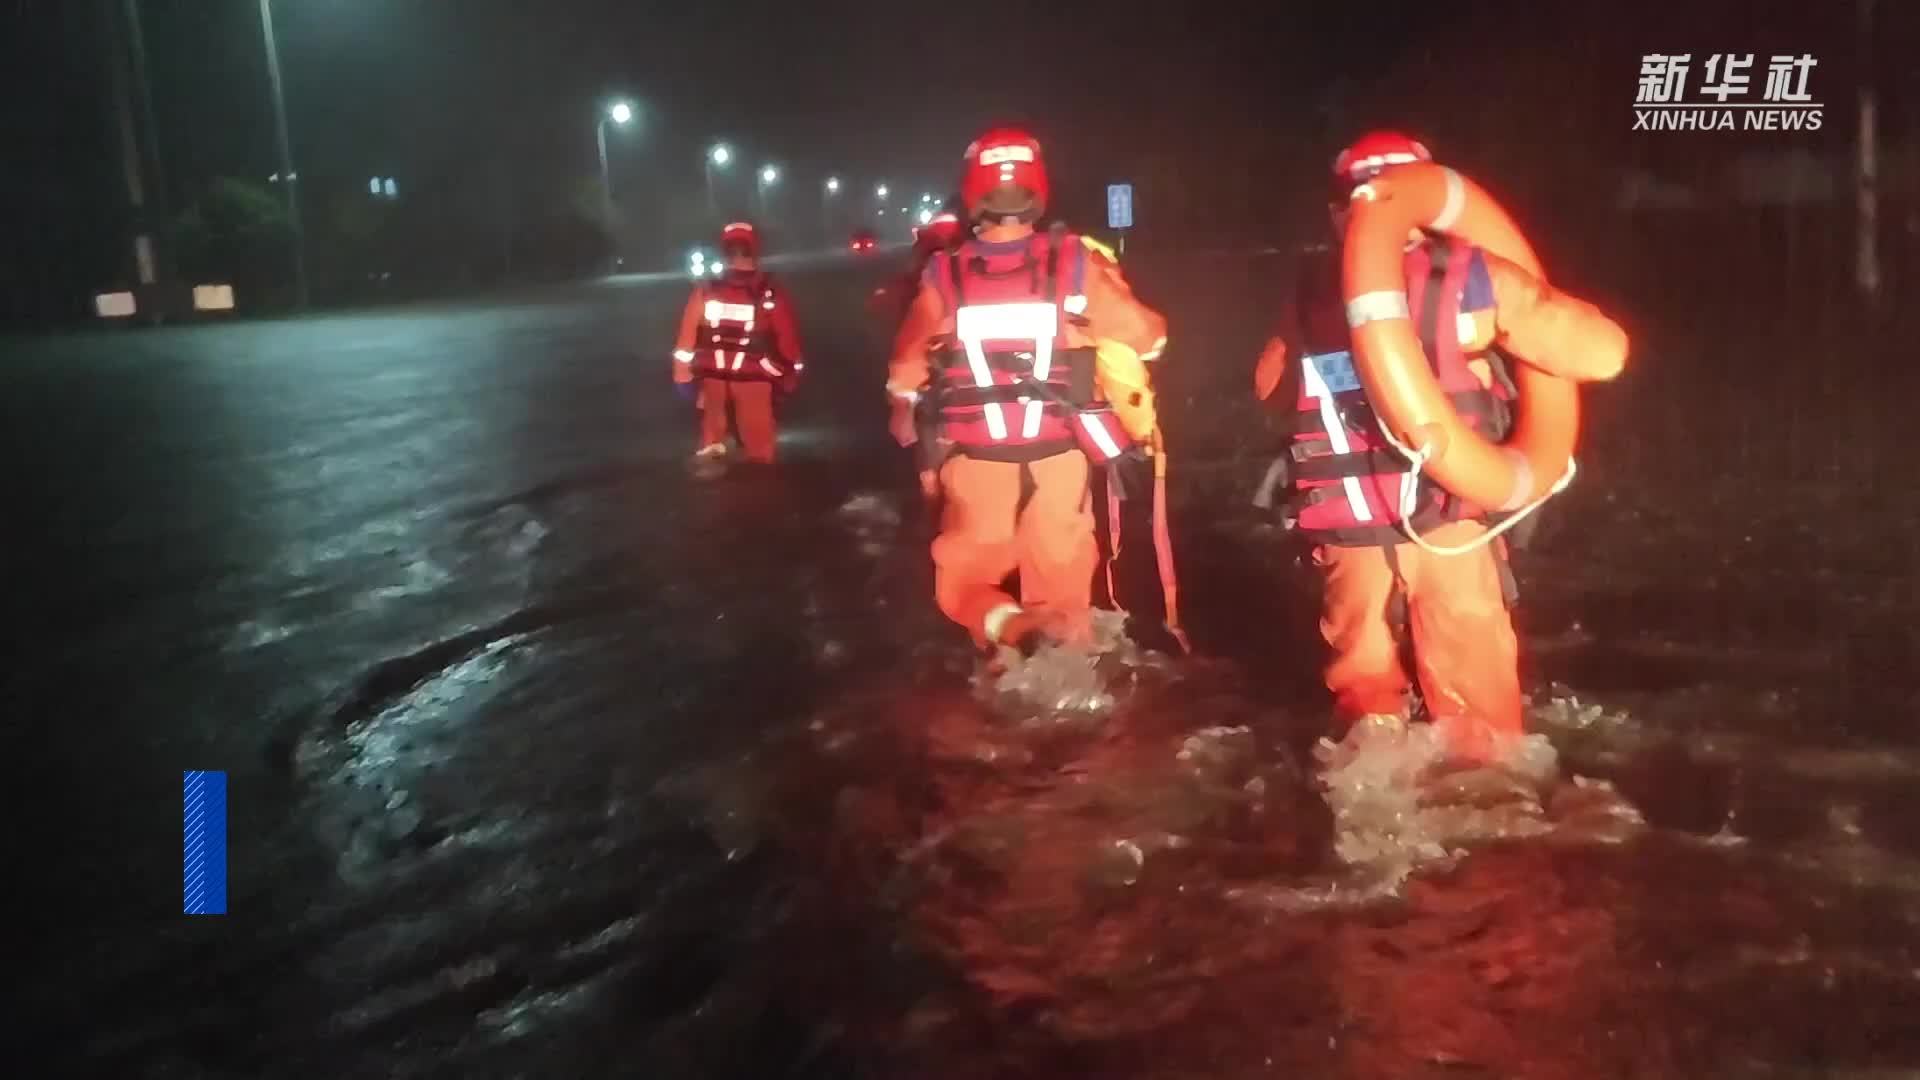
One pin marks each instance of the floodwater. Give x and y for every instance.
(550, 757)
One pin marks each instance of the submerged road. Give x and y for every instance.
(551, 758)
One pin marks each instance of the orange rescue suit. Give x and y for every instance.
(751, 398)
(1004, 516)
(1466, 655)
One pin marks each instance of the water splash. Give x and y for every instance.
(1401, 802)
(874, 520)
(1073, 680)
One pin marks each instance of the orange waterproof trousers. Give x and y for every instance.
(1000, 517)
(752, 415)
(1465, 653)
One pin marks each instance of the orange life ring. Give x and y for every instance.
(1394, 369)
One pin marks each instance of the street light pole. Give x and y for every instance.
(620, 113)
(137, 154)
(288, 176)
(606, 178)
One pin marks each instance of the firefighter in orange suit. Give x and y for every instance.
(1345, 484)
(737, 342)
(1002, 336)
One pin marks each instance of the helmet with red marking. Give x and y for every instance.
(1371, 154)
(1005, 176)
(740, 238)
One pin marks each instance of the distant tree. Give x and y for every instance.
(234, 231)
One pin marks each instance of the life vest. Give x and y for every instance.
(1009, 387)
(735, 339)
(1346, 477)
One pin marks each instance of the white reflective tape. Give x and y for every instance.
(1465, 329)
(1377, 307)
(977, 360)
(766, 365)
(978, 324)
(1043, 358)
(1007, 322)
(996, 620)
(1075, 305)
(719, 312)
(685, 356)
(996, 422)
(798, 366)
(1030, 426)
(997, 155)
(738, 359)
(1102, 438)
(1316, 387)
(1456, 202)
(1159, 346)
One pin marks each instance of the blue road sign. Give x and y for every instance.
(1119, 206)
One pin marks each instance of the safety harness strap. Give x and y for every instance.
(1379, 460)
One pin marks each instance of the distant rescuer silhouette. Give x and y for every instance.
(1437, 576)
(738, 347)
(1002, 336)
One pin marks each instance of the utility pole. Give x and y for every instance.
(1866, 172)
(138, 149)
(288, 176)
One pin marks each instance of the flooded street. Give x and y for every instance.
(549, 757)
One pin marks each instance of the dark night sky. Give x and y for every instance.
(438, 92)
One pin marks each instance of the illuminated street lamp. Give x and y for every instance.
(769, 175)
(827, 192)
(881, 191)
(718, 156)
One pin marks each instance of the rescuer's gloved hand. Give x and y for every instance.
(789, 382)
(688, 391)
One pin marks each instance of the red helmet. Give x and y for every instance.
(1005, 176)
(740, 237)
(1369, 155)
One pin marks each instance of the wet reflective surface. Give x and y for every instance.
(553, 758)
